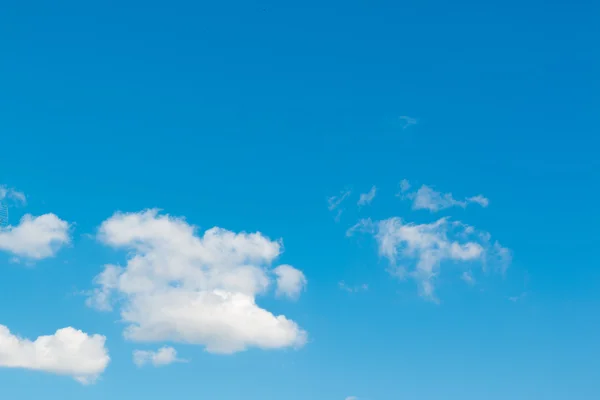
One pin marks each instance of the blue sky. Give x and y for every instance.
(260, 117)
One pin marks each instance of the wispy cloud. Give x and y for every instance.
(407, 121)
(467, 276)
(353, 289)
(427, 198)
(404, 186)
(367, 198)
(334, 202)
(520, 297)
(419, 251)
(12, 194)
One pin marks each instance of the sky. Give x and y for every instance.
(300, 200)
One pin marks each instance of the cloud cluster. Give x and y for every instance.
(164, 356)
(180, 287)
(68, 352)
(426, 198)
(35, 238)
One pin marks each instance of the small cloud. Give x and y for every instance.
(514, 299)
(365, 225)
(35, 238)
(290, 281)
(351, 398)
(367, 198)
(335, 201)
(426, 198)
(404, 186)
(12, 194)
(163, 356)
(479, 199)
(68, 351)
(420, 251)
(467, 276)
(353, 289)
(407, 121)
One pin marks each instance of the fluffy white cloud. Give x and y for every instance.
(290, 281)
(164, 356)
(419, 250)
(10, 193)
(35, 237)
(367, 198)
(427, 198)
(352, 398)
(181, 287)
(68, 352)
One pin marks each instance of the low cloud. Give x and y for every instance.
(367, 198)
(163, 356)
(182, 287)
(68, 352)
(35, 238)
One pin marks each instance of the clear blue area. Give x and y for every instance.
(248, 115)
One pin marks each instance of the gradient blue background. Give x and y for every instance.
(247, 115)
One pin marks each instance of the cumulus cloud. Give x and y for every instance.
(351, 398)
(35, 238)
(12, 194)
(290, 281)
(419, 250)
(367, 198)
(181, 287)
(164, 356)
(426, 198)
(68, 352)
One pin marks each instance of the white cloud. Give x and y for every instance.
(181, 287)
(419, 250)
(68, 352)
(408, 121)
(353, 289)
(479, 199)
(290, 281)
(365, 225)
(164, 356)
(367, 198)
(12, 194)
(427, 198)
(514, 299)
(404, 185)
(334, 201)
(35, 237)
(467, 276)
(351, 398)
